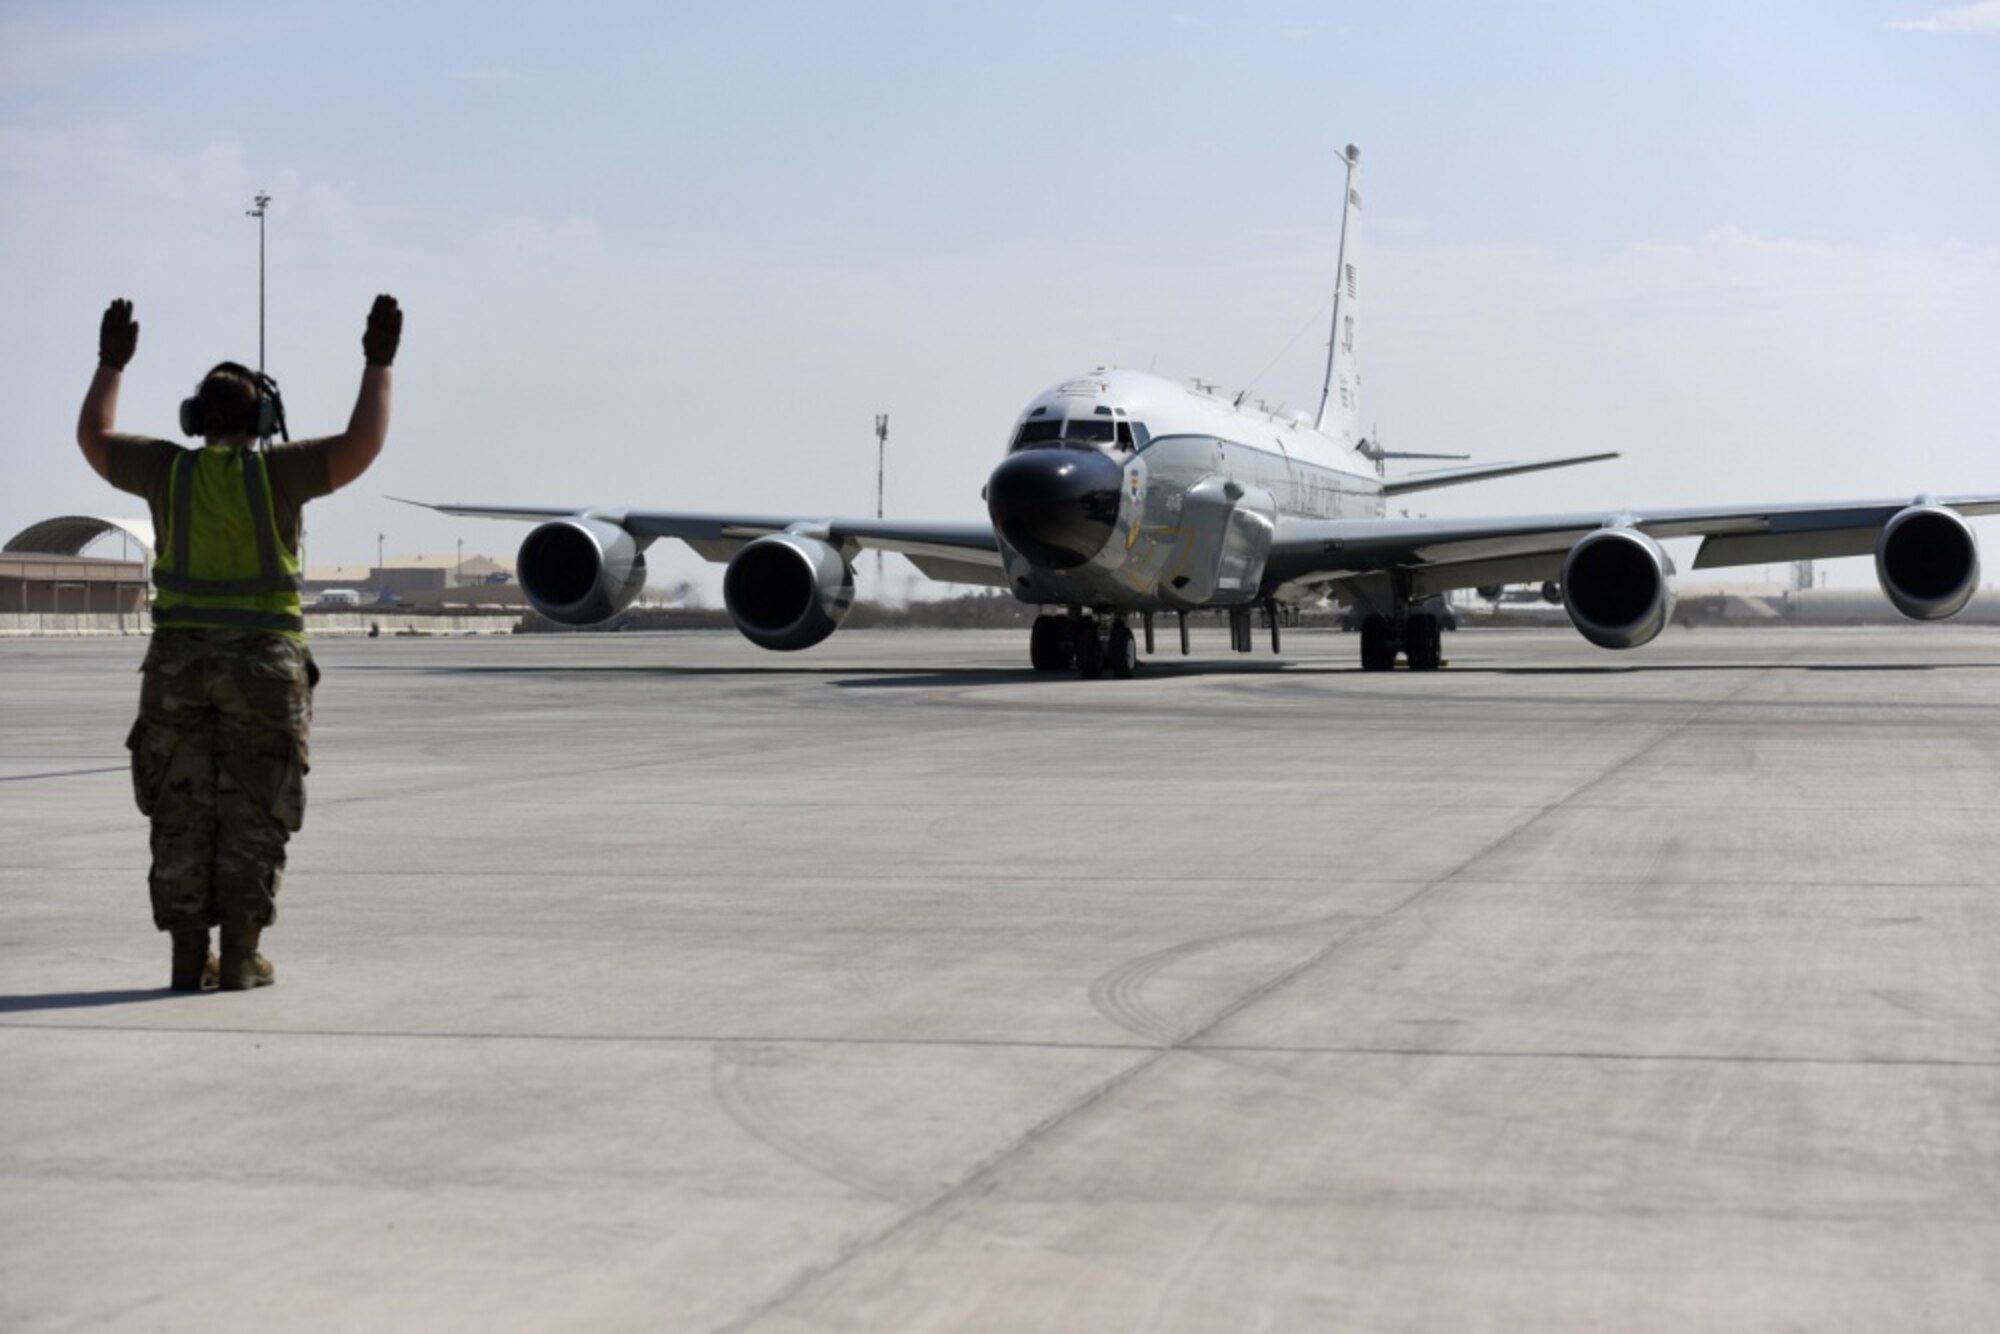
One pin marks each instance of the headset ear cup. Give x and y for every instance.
(190, 416)
(267, 416)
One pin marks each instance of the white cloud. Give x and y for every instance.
(1980, 16)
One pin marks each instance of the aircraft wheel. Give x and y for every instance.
(1422, 643)
(1377, 653)
(1089, 651)
(1124, 652)
(1049, 648)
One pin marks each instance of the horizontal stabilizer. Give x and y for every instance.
(1430, 481)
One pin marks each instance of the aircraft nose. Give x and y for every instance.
(1055, 506)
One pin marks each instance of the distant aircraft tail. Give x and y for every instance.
(1340, 396)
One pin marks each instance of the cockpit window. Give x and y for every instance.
(1090, 432)
(1037, 433)
(1140, 435)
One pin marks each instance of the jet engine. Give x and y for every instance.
(581, 571)
(1927, 562)
(1618, 587)
(787, 590)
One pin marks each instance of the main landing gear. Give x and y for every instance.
(1090, 644)
(1420, 639)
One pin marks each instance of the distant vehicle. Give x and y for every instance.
(1123, 496)
(338, 597)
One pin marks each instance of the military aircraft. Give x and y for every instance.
(1123, 495)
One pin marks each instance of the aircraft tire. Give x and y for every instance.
(1377, 654)
(1089, 651)
(1049, 647)
(1123, 659)
(1422, 642)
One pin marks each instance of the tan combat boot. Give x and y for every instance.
(242, 967)
(195, 969)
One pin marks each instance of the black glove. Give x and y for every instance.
(385, 332)
(117, 336)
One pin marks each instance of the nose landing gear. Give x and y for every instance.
(1089, 648)
(1122, 652)
(1050, 646)
(1090, 644)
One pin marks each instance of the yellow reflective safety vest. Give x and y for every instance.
(221, 563)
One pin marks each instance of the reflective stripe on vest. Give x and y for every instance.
(227, 618)
(218, 527)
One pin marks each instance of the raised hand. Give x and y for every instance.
(117, 335)
(385, 332)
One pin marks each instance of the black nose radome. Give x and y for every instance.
(1055, 506)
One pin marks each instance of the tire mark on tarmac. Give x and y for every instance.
(985, 1174)
(1122, 994)
(741, 1076)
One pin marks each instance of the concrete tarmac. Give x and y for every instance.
(637, 982)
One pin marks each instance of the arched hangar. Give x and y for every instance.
(43, 568)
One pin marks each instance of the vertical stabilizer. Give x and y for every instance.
(1340, 396)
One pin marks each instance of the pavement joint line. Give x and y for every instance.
(1388, 1200)
(947, 877)
(64, 773)
(1182, 1048)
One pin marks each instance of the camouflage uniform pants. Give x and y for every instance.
(219, 760)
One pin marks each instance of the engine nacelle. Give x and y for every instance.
(581, 571)
(1927, 562)
(787, 591)
(1618, 587)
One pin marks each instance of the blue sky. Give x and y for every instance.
(680, 255)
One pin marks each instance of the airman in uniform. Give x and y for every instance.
(219, 752)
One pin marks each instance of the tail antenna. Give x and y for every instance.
(1352, 158)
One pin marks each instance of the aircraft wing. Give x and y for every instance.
(1444, 554)
(1480, 472)
(953, 552)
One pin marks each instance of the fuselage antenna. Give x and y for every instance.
(1353, 158)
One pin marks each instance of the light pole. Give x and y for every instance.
(263, 202)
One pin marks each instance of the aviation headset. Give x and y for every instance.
(268, 414)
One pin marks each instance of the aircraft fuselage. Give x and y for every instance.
(1128, 492)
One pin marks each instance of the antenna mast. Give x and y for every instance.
(1352, 158)
(881, 451)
